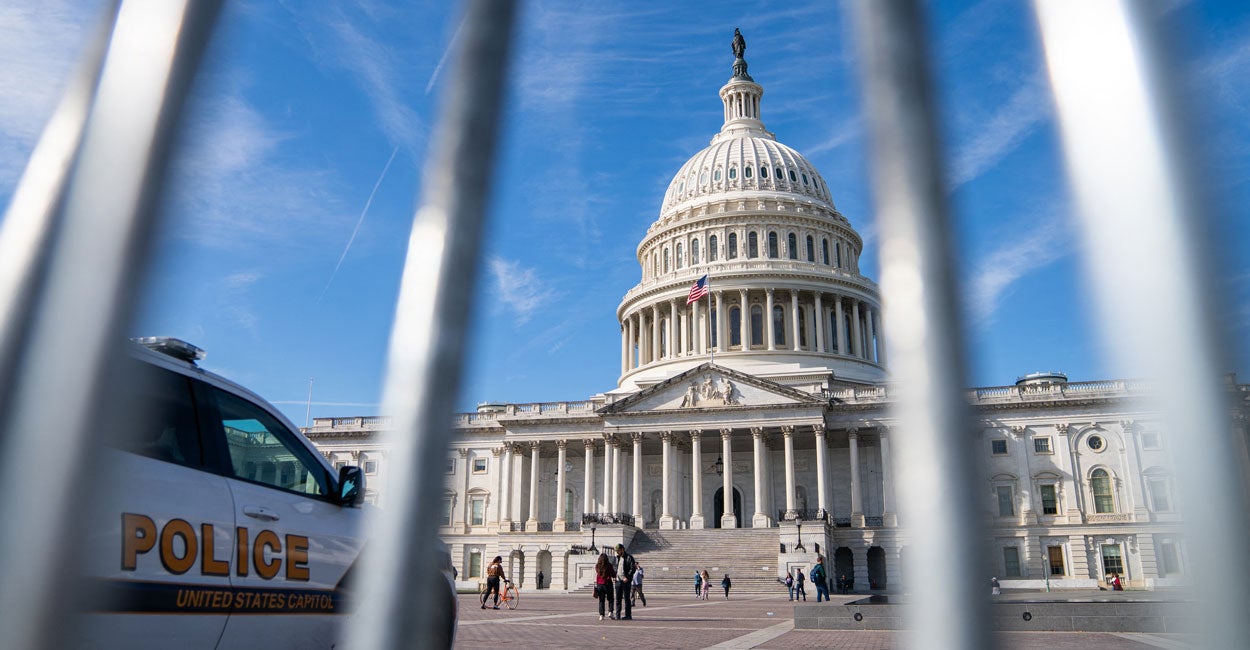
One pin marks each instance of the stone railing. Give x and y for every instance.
(840, 522)
(1109, 517)
(572, 526)
(804, 515)
(607, 518)
(874, 522)
(517, 527)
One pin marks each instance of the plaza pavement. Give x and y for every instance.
(552, 620)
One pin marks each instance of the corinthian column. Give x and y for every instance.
(666, 514)
(606, 503)
(822, 485)
(760, 518)
(857, 500)
(531, 524)
(637, 492)
(505, 500)
(728, 519)
(787, 433)
(561, 478)
(588, 503)
(696, 479)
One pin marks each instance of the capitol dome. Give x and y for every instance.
(786, 300)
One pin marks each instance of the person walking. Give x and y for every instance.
(540, 579)
(698, 584)
(624, 565)
(604, 576)
(994, 588)
(819, 579)
(637, 592)
(707, 582)
(725, 583)
(799, 591)
(494, 573)
(790, 584)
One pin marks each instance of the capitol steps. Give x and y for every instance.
(670, 558)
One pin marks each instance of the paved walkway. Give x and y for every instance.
(552, 620)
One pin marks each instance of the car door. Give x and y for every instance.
(160, 530)
(294, 542)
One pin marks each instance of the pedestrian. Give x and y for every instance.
(624, 565)
(790, 584)
(637, 592)
(540, 579)
(1116, 585)
(819, 579)
(698, 584)
(494, 573)
(844, 587)
(604, 575)
(799, 591)
(707, 582)
(725, 583)
(995, 590)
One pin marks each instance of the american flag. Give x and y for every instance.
(697, 290)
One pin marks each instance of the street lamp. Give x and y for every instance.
(799, 546)
(592, 548)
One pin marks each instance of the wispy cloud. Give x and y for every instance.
(1041, 244)
(998, 135)
(519, 288)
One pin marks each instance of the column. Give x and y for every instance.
(822, 485)
(889, 518)
(728, 520)
(655, 333)
(1025, 481)
(616, 475)
(698, 336)
(744, 320)
(606, 503)
(624, 346)
(496, 454)
(696, 479)
(859, 557)
(787, 433)
(633, 342)
(666, 514)
(465, 515)
(721, 345)
(588, 503)
(1137, 497)
(818, 319)
(880, 339)
(857, 501)
(672, 328)
(531, 524)
(794, 318)
(561, 480)
(637, 437)
(505, 501)
(840, 326)
(869, 315)
(760, 518)
(769, 334)
(857, 336)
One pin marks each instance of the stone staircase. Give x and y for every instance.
(670, 558)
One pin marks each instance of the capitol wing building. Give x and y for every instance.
(750, 431)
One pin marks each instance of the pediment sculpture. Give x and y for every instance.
(712, 392)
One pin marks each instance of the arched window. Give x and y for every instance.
(716, 175)
(779, 325)
(811, 249)
(777, 173)
(802, 326)
(763, 172)
(753, 245)
(772, 245)
(757, 325)
(694, 252)
(666, 260)
(746, 172)
(833, 330)
(678, 264)
(733, 246)
(712, 253)
(792, 243)
(733, 173)
(1100, 485)
(837, 247)
(655, 264)
(793, 178)
(735, 326)
(824, 251)
(663, 337)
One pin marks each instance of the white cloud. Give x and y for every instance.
(1016, 258)
(1003, 131)
(519, 289)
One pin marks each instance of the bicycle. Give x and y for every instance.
(508, 596)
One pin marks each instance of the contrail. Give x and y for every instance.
(439, 68)
(358, 222)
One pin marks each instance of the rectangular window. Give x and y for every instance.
(451, 466)
(1042, 446)
(1160, 500)
(1054, 557)
(338, 465)
(371, 467)
(1050, 500)
(479, 465)
(1011, 561)
(446, 513)
(475, 563)
(1006, 505)
(998, 447)
(1150, 439)
(263, 450)
(478, 505)
(1111, 560)
(1169, 560)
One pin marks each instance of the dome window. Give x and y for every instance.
(703, 179)
(679, 255)
(694, 251)
(733, 246)
(824, 251)
(793, 178)
(792, 243)
(811, 249)
(746, 172)
(763, 172)
(712, 253)
(666, 260)
(778, 173)
(681, 188)
(753, 245)
(772, 245)
(716, 175)
(805, 178)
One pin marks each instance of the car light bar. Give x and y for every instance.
(170, 346)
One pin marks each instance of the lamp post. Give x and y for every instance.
(799, 547)
(592, 539)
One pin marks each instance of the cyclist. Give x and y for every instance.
(494, 573)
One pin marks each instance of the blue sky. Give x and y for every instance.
(294, 191)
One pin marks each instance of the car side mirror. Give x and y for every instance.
(351, 485)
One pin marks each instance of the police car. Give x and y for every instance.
(223, 527)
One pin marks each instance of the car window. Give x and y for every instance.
(263, 450)
(157, 418)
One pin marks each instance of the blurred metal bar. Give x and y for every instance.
(945, 572)
(428, 340)
(76, 292)
(1145, 251)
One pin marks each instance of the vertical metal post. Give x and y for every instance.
(428, 340)
(948, 588)
(81, 224)
(1141, 224)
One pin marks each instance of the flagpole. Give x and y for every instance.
(711, 348)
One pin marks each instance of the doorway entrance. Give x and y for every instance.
(718, 506)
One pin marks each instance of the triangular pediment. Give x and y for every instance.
(709, 386)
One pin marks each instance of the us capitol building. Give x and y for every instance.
(763, 407)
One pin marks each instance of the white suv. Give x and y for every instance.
(223, 527)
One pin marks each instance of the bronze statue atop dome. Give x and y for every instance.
(739, 47)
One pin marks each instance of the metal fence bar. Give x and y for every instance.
(947, 607)
(427, 342)
(78, 289)
(1141, 221)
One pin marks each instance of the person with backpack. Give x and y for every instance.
(625, 565)
(818, 579)
(789, 582)
(698, 584)
(798, 586)
(726, 584)
(494, 573)
(637, 594)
